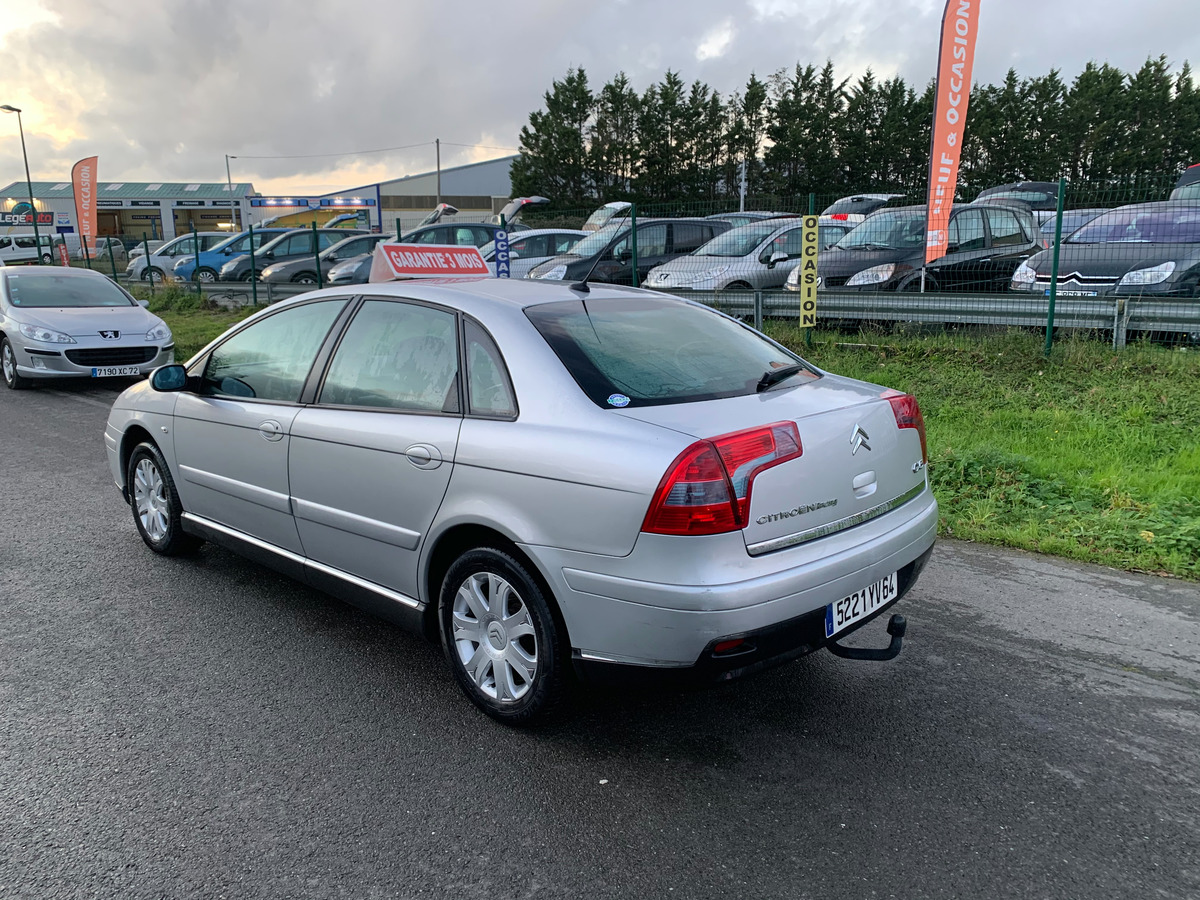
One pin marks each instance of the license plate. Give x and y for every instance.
(1073, 293)
(115, 371)
(843, 613)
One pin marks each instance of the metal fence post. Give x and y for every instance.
(87, 257)
(397, 228)
(812, 204)
(316, 251)
(146, 250)
(1062, 189)
(633, 240)
(253, 280)
(112, 260)
(758, 310)
(196, 250)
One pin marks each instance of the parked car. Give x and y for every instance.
(303, 269)
(294, 244)
(757, 256)
(464, 234)
(987, 241)
(738, 219)
(22, 248)
(1072, 220)
(1042, 196)
(208, 265)
(1143, 248)
(856, 207)
(139, 249)
(544, 481)
(831, 229)
(532, 247)
(608, 253)
(1188, 185)
(352, 271)
(58, 322)
(99, 252)
(162, 260)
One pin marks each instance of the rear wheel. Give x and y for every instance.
(8, 365)
(155, 503)
(47, 259)
(500, 637)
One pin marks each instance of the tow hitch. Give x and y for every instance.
(896, 626)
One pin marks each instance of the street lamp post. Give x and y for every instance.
(37, 238)
(229, 181)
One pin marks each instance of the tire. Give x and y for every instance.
(527, 652)
(47, 259)
(155, 503)
(204, 275)
(8, 367)
(304, 278)
(912, 284)
(249, 276)
(153, 274)
(738, 286)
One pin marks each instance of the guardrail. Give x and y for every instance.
(1118, 316)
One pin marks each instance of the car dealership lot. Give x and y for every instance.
(202, 726)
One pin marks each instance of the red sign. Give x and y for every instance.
(83, 180)
(63, 254)
(956, 56)
(394, 261)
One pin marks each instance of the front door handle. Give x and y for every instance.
(271, 430)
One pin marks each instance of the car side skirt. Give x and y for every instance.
(385, 603)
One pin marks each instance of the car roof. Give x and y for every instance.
(67, 271)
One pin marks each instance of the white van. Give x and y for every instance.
(19, 248)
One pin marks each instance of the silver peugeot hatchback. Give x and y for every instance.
(552, 481)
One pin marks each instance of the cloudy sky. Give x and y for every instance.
(161, 90)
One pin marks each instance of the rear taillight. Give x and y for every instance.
(707, 488)
(908, 415)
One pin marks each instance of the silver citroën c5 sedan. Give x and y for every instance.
(553, 481)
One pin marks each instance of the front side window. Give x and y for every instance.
(396, 356)
(966, 231)
(270, 359)
(651, 241)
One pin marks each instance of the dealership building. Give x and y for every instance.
(162, 210)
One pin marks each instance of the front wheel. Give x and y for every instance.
(305, 278)
(155, 503)
(500, 637)
(8, 365)
(205, 276)
(153, 275)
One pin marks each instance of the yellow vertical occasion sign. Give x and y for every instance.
(808, 273)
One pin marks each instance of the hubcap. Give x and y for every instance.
(150, 499)
(494, 637)
(205, 276)
(9, 364)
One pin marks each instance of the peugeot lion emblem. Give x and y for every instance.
(859, 438)
(110, 335)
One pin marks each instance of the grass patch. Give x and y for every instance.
(1091, 454)
(192, 319)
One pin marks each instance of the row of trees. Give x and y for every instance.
(807, 130)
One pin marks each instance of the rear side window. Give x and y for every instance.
(651, 352)
(686, 237)
(1005, 228)
(489, 392)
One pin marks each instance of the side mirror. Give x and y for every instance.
(270, 254)
(777, 257)
(144, 304)
(169, 378)
(622, 255)
(332, 257)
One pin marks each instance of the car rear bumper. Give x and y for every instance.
(617, 613)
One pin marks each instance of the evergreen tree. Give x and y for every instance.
(614, 156)
(554, 155)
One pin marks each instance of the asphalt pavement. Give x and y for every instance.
(203, 727)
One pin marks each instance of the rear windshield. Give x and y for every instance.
(647, 351)
(64, 291)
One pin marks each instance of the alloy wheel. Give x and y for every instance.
(8, 363)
